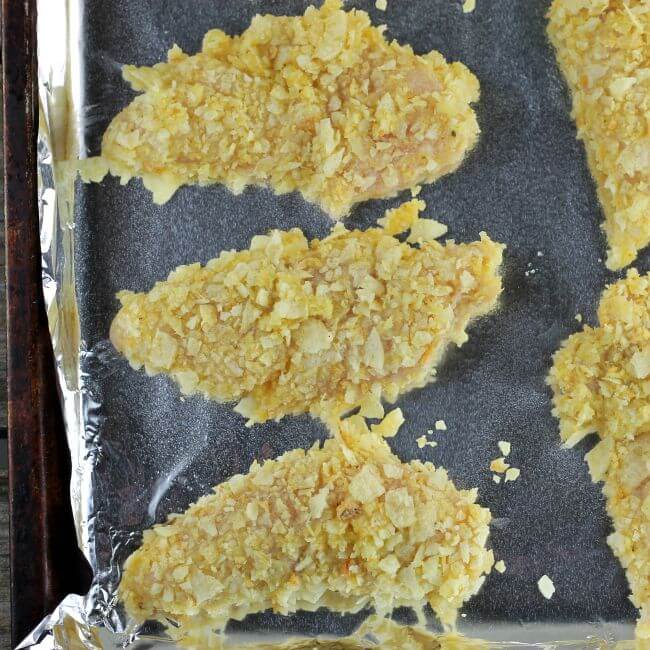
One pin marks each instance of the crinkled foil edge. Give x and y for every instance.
(58, 28)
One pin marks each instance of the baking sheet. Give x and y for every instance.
(140, 452)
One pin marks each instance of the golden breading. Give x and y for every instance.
(290, 326)
(602, 47)
(601, 383)
(319, 103)
(601, 376)
(627, 489)
(345, 525)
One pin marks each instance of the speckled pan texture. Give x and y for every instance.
(526, 184)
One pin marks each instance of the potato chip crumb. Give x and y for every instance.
(415, 191)
(500, 566)
(469, 6)
(546, 587)
(499, 465)
(402, 218)
(382, 5)
(321, 103)
(344, 525)
(504, 447)
(602, 49)
(512, 474)
(496, 478)
(290, 326)
(578, 317)
(430, 431)
(425, 230)
(440, 425)
(390, 425)
(422, 441)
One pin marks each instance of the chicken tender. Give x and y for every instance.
(601, 383)
(321, 103)
(290, 326)
(345, 525)
(602, 47)
(601, 376)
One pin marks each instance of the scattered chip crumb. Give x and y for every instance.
(441, 425)
(579, 318)
(504, 447)
(429, 431)
(500, 566)
(422, 441)
(425, 230)
(540, 254)
(416, 190)
(496, 478)
(546, 587)
(469, 6)
(382, 5)
(512, 474)
(499, 465)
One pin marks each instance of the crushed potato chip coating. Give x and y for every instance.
(627, 490)
(290, 326)
(319, 103)
(602, 48)
(601, 376)
(344, 525)
(601, 383)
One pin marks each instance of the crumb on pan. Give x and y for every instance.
(469, 6)
(290, 326)
(601, 383)
(321, 103)
(344, 525)
(382, 5)
(602, 48)
(504, 447)
(499, 465)
(496, 478)
(500, 566)
(512, 474)
(441, 425)
(546, 587)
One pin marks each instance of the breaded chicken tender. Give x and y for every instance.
(601, 383)
(601, 376)
(602, 48)
(345, 525)
(291, 326)
(320, 103)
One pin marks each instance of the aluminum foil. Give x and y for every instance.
(140, 452)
